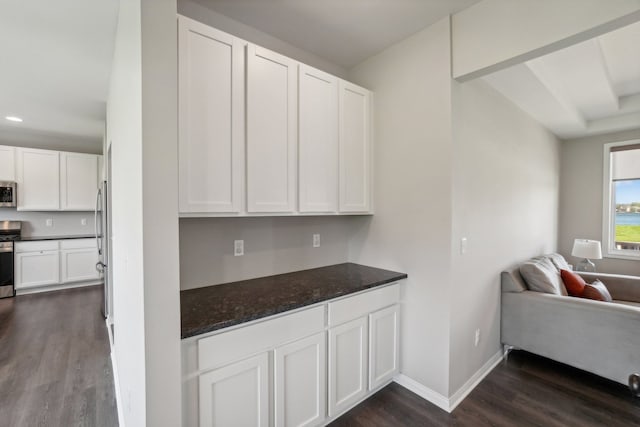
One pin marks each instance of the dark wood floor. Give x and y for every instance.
(55, 368)
(526, 390)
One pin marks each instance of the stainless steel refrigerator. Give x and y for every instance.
(101, 223)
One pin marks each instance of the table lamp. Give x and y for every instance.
(587, 250)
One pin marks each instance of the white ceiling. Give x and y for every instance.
(56, 61)
(586, 89)
(344, 32)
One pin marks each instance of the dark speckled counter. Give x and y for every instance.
(36, 238)
(215, 307)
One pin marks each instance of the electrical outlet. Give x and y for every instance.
(238, 247)
(316, 240)
(83, 221)
(49, 222)
(477, 338)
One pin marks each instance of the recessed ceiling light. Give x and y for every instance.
(13, 118)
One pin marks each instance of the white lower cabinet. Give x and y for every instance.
(383, 345)
(304, 368)
(347, 365)
(300, 382)
(78, 260)
(237, 394)
(33, 269)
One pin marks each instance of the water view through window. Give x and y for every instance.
(627, 197)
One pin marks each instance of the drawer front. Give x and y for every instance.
(350, 308)
(230, 346)
(78, 243)
(40, 245)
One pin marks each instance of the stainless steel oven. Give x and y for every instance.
(7, 194)
(9, 232)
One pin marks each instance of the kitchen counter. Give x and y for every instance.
(220, 306)
(35, 238)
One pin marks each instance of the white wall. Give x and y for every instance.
(64, 223)
(505, 202)
(581, 202)
(124, 119)
(195, 10)
(272, 245)
(411, 230)
(495, 34)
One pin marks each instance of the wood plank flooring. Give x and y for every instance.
(527, 390)
(55, 368)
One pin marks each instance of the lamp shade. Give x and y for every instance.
(590, 249)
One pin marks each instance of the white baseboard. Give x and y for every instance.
(449, 403)
(457, 397)
(116, 381)
(423, 391)
(49, 288)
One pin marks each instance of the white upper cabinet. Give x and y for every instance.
(78, 181)
(271, 131)
(38, 179)
(318, 141)
(355, 148)
(7, 163)
(211, 118)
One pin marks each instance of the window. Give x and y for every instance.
(621, 228)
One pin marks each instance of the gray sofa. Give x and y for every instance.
(599, 337)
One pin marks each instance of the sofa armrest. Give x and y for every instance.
(596, 336)
(625, 288)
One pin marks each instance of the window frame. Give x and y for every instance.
(608, 203)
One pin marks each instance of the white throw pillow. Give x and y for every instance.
(542, 276)
(559, 262)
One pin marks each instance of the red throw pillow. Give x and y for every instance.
(573, 282)
(597, 291)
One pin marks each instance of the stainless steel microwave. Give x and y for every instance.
(7, 194)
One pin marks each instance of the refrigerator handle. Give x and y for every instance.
(95, 222)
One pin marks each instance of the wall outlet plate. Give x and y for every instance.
(49, 222)
(316, 240)
(238, 247)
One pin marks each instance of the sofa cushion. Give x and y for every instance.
(596, 291)
(542, 276)
(559, 262)
(573, 282)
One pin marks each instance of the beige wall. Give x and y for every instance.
(505, 203)
(411, 229)
(272, 245)
(581, 202)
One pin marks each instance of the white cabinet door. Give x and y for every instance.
(300, 380)
(347, 364)
(383, 345)
(318, 141)
(78, 265)
(34, 269)
(236, 395)
(355, 148)
(78, 181)
(271, 131)
(211, 118)
(38, 179)
(7, 163)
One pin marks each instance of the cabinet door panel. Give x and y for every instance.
(34, 269)
(211, 120)
(38, 178)
(79, 265)
(318, 141)
(383, 346)
(271, 131)
(347, 364)
(355, 148)
(300, 382)
(7, 163)
(236, 395)
(78, 181)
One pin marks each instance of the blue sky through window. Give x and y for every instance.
(628, 191)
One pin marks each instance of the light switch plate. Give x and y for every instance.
(49, 222)
(463, 245)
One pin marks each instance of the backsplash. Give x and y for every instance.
(62, 223)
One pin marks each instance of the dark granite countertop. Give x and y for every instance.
(215, 307)
(35, 238)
